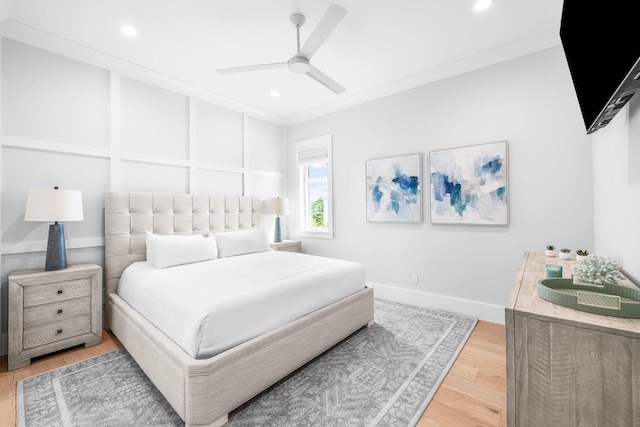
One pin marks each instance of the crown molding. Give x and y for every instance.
(29, 35)
(527, 46)
(25, 34)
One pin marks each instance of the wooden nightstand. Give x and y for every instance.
(53, 310)
(287, 245)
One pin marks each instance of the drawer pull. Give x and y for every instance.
(59, 331)
(59, 291)
(59, 311)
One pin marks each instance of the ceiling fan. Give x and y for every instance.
(300, 62)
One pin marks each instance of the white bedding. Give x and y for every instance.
(211, 306)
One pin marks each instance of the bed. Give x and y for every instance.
(204, 390)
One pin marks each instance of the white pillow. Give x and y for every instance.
(172, 250)
(234, 243)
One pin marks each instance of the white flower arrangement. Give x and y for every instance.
(598, 270)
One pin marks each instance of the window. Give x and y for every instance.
(314, 181)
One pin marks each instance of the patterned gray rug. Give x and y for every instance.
(384, 375)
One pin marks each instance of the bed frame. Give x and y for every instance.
(204, 391)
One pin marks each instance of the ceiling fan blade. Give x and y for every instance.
(327, 24)
(325, 80)
(246, 68)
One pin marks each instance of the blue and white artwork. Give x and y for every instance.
(469, 185)
(394, 189)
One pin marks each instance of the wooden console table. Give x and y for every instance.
(567, 367)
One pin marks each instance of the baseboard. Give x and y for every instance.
(479, 310)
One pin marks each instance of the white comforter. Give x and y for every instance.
(211, 306)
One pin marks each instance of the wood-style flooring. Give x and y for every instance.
(472, 394)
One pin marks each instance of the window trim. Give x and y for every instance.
(325, 141)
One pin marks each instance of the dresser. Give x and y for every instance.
(567, 367)
(53, 310)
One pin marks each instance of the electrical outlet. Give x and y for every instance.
(414, 279)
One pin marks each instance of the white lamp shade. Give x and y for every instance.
(54, 205)
(276, 206)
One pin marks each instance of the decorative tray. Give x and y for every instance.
(609, 300)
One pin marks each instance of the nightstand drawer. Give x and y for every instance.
(54, 312)
(292, 248)
(52, 292)
(287, 246)
(41, 335)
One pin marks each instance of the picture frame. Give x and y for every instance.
(394, 189)
(469, 185)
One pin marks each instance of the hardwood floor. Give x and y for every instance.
(472, 394)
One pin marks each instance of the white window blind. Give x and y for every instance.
(313, 155)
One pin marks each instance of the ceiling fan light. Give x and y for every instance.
(299, 64)
(481, 5)
(129, 30)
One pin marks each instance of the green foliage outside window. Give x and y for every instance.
(317, 213)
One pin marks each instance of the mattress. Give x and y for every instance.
(211, 306)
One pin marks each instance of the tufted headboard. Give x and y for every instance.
(129, 215)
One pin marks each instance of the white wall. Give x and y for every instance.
(616, 177)
(530, 102)
(83, 127)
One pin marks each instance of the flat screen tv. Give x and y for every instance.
(602, 47)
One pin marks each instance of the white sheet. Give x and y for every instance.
(211, 306)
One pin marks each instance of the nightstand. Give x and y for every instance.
(287, 245)
(53, 310)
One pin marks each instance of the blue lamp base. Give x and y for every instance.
(277, 235)
(56, 250)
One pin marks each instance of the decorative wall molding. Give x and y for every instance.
(41, 246)
(54, 147)
(114, 153)
(115, 131)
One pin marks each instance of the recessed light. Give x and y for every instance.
(481, 5)
(274, 93)
(129, 30)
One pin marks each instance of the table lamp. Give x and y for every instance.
(276, 206)
(54, 205)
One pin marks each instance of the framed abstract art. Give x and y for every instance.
(394, 189)
(469, 185)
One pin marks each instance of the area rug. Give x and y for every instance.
(384, 375)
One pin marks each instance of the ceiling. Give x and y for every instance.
(380, 47)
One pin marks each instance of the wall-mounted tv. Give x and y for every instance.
(602, 47)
